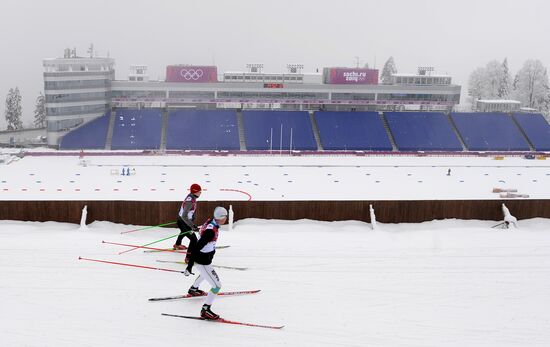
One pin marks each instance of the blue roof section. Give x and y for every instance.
(352, 131)
(202, 130)
(536, 128)
(259, 125)
(91, 135)
(422, 131)
(489, 132)
(137, 129)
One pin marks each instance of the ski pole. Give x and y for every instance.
(135, 247)
(132, 265)
(149, 227)
(150, 243)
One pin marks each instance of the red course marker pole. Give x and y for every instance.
(131, 265)
(135, 247)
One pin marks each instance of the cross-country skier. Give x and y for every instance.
(186, 219)
(202, 254)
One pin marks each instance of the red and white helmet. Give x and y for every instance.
(195, 188)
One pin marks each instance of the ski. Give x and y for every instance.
(217, 266)
(187, 296)
(165, 250)
(175, 251)
(225, 321)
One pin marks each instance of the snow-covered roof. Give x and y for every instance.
(498, 101)
(417, 75)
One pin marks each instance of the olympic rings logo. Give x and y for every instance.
(191, 74)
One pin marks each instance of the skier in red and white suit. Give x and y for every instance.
(202, 255)
(186, 218)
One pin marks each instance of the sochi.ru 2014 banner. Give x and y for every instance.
(191, 74)
(337, 75)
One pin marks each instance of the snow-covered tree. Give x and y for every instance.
(504, 83)
(493, 76)
(476, 85)
(490, 82)
(388, 70)
(40, 112)
(13, 109)
(531, 86)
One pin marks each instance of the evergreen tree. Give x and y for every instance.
(515, 84)
(504, 84)
(388, 70)
(13, 110)
(476, 86)
(40, 112)
(490, 82)
(493, 76)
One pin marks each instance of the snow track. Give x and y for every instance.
(440, 283)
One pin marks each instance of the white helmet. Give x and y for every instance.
(220, 212)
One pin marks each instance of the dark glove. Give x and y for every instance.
(188, 271)
(195, 228)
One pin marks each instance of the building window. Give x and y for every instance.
(63, 125)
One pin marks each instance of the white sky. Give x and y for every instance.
(454, 36)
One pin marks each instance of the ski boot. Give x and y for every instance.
(196, 292)
(207, 313)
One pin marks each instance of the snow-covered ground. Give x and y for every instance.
(167, 178)
(440, 283)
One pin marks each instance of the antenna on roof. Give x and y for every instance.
(255, 68)
(425, 70)
(295, 68)
(356, 61)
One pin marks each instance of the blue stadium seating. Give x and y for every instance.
(422, 131)
(137, 129)
(536, 128)
(352, 131)
(489, 132)
(259, 124)
(202, 130)
(91, 135)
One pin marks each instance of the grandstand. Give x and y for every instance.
(91, 135)
(266, 130)
(231, 130)
(79, 89)
(535, 128)
(490, 132)
(202, 130)
(352, 131)
(422, 131)
(137, 129)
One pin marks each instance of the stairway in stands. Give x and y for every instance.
(240, 124)
(531, 146)
(457, 133)
(163, 129)
(315, 128)
(109, 140)
(388, 131)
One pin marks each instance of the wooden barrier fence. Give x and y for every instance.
(157, 212)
